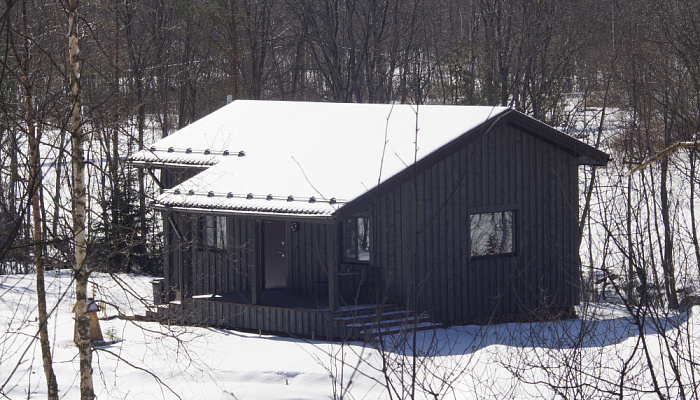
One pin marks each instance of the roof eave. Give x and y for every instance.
(167, 165)
(251, 214)
(595, 162)
(586, 154)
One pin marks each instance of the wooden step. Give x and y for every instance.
(367, 326)
(363, 310)
(401, 318)
(401, 329)
(373, 317)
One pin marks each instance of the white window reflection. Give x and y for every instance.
(214, 232)
(492, 233)
(356, 239)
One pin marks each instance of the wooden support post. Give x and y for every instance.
(256, 271)
(332, 271)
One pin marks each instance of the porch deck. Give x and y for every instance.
(296, 316)
(279, 313)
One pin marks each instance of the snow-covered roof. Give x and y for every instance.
(300, 158)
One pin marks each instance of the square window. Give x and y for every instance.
(492, 233)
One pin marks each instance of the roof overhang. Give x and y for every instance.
(585, 154)
(169, 166)
(178, 158)
(328, 218)
(248, 205)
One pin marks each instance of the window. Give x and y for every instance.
(492, 233)
(214, 232)
(356, 239)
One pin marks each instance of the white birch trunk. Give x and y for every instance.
(78, 162)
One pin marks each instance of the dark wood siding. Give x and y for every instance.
(171, 177)
(302, 322)
(176, 232)
(178, 236)
(312, 254)
(507, 169)
(226, 271)
(171, 257)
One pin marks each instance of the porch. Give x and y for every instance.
(284, 313)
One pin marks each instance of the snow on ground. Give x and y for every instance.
(154, 361)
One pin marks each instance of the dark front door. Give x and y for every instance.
(274, 255)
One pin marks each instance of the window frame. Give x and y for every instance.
(514, 230)
(355, 239)
(213, 233)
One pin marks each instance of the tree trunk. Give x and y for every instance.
(667, 262)
(57, 206)
(34, 189)
(115, 230)
(234, 51)
(14, 179)
(78, 162)
(141, 126)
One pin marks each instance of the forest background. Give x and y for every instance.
(622, 75)
(151, 67)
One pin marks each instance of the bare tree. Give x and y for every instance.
(80, 269)
(35, 185)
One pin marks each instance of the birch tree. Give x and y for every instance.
(80, 270)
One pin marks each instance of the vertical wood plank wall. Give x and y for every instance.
(506, 169)
(312, 254)
(226, 271)
(294, 322)
(170, 178)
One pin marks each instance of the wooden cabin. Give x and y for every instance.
(347, 220)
